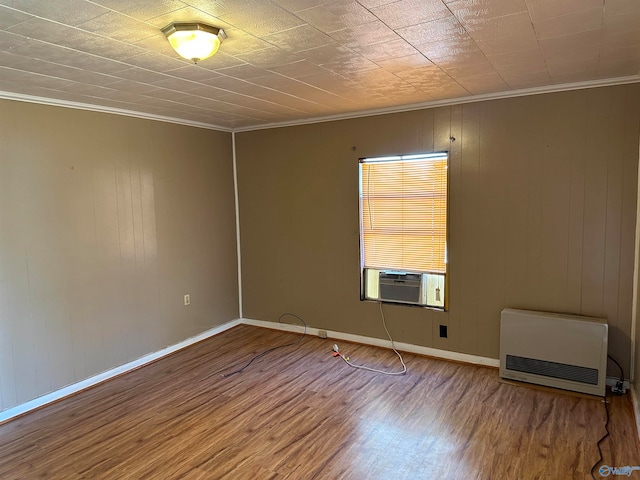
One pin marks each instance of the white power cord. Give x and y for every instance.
(363, 367)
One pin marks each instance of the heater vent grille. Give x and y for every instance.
(552, 369)
(554, 349)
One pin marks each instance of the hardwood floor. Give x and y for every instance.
(299, 413)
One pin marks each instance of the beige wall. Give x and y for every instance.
(542, 215)
(105, 222)
(635, 378)
(636, 367)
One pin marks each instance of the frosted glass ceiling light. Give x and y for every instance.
(194, 41)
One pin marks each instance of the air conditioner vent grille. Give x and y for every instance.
(552, 369)
(404, 288)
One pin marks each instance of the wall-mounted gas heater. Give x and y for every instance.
(562, 351)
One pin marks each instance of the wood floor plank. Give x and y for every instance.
(300, 413)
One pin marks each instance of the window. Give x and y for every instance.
(403, 229)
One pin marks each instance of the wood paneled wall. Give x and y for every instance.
(542, 215)
(105, 222)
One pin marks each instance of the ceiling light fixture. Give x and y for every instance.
(194, 41)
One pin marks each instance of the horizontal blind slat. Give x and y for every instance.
(404, 215)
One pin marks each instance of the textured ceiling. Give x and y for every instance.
(289, 60)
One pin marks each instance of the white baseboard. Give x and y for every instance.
(56, 395)
(405, 347)
(636, 409)
(109, 374)
(378, 342)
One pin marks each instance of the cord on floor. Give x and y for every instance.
(606, 434)
(260, 355)
(363, 367)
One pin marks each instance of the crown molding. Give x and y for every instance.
(103, 109)
(452, 101)
(328, 118)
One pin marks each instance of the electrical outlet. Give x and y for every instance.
(187, 299)
(443, 331)
(618, 388)
(322, 333)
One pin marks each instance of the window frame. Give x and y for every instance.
(364, 270)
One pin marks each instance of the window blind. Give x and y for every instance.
(403, 212)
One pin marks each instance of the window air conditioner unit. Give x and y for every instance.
(402, 287)
(561, 351)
